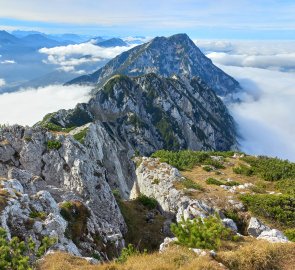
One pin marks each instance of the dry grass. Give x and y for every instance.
(260, 255)
(3, 199)
(249, 255)
(176, 258)
(4, 142)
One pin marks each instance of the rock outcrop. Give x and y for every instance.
(261, 231)
(160, 181)
(40, 170)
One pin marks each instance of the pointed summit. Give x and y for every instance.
(166, 57)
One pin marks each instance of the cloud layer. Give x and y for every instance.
(2, 82)
(266, 121)
(278, 55)
(71, 56)
(29, 105)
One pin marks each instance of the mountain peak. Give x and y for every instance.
(7, 38)
(179, 37)
(165, 56)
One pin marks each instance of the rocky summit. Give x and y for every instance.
(175, 55)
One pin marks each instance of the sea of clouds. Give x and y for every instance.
(266, 71)
(28, 106)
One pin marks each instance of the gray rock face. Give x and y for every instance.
(157, 180)
(274, 236)
(165, 56)
(45, 177)
(148, 113)
(256, 227)
(230, 224)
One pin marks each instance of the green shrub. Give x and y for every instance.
(80, 136)
(244, 170)
(278, 208)
(231, 183)
(148, 202)
(53, 127)
(181, 159)
(21, 255)
(46, 243)
(156, 181)
(225, 154)
(286, 186)
(190, 184)
(186, 159)
(216, 164)
(36, 214)
(213, 181)
(198, 233)
(53, 145)
(126, 252)
(117, 194)
(290, 233)
(257, 189)
(271, 169)
(207, 168)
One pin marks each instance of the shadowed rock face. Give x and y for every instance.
(165, 56)
(148, 113)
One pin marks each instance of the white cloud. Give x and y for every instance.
(29, 105)
(8, 62)
(278, 55)
(2, 82)
(266, 123)
(266, 114)
(214, 45)
(131, 39)
(70, 56)
(276, 61)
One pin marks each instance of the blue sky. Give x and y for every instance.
(222, 19)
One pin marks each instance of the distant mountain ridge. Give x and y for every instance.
(165, 56)
(113, 42)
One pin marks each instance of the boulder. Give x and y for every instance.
(167, 241)
(274, 236)
(229, 223)
(256, 227)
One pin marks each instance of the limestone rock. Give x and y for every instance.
(167, 241)
(230, 224)
(274, 236)
(256, 227)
